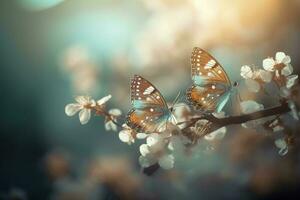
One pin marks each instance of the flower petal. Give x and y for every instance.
(147, 161)
(115, 112)
(144, 150)
(291, 80)
(110, 125)
(268, 64)
(218, 134)
(83, 100)
(84, 116)
(287, 70)
(250, 106)
(280, 143)
(124, 136)
(166, 161)
(284, 92)
(72, 109)
(294, 111)
(282, 58)
(278, 128)
(153, 139)
(246, 72)
(219, 115)
(283, 152)
(103, 100)
(141, 135)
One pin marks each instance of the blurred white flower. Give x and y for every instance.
(177, 143)
(281, 63)
(219, 114)
(110, 121)
(248, 107)
(103, 100)
(253, 77)
(84, 105)
(268, 64)
(216, 135)
(275, 126)
(155, 151)
(282, 146)
(141, 136)
(294, 111)
(285, 91)
(246, 72)
(166, 161)
(127, 135)
(291, 81)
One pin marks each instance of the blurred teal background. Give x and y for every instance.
(53, 50)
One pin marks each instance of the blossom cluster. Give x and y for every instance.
(85, 105)
(279, 72)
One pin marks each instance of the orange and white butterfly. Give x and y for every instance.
(211, 87)
(150, 112)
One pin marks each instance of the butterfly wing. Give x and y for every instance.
(211, 89)
(150, 112)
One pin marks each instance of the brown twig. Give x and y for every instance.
(220, 122)
(101, 111)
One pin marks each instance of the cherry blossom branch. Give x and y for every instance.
(221, 122)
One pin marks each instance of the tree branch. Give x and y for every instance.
(221, 122)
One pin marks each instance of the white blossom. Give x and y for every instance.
(166, 161)
(103, 100)
(291, 81)
(216, 135)
(285, 91)
(110, 122)
(250, 106)
(294, 111)
(246, 72)
(282, 146)
(268, 64)
(141, 135)
(254, 77)
(155, 151)
(275, 126)
(127, 134)
(83, 106)
(281, 62)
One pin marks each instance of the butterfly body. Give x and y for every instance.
(150, 112)
(211, 88)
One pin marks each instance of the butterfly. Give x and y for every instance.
(211, 87)
(150, 112)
